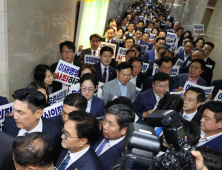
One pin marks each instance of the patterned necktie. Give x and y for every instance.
(65, 162)
(185, 117)
(101, 147)
(104, 75)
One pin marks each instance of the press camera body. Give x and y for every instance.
(143, 145)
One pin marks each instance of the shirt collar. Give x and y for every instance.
(202, 138)
(89, 102)
(102, 66)
(107, 40)
(191, 115)
(95, 51)
(205, 59)
(120, 84)
(77, 155)
(114, 142)
(38, 128)
(157, 97)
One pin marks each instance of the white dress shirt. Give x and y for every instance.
(97, 52)
(190, 116)
(137, 42)
(133, 79)
(205, 59)
(110, 144)
(156, 55)
(204, 140)
(157, 99)
(185, 56)
(108, 40)
(75, 156)
(103, 69)
(88, 108)
(38, 128)
(124, 28)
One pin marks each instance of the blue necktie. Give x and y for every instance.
(65, 162)
(185, 117)
(158, 131)
(101, 147)
(26, 133)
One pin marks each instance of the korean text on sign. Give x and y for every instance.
(67, 73)
(91, 59)
(54, 110)
(198, 29)
(121, 54)
(58, 96)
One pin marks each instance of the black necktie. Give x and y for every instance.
(104, 75)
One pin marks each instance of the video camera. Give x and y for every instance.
(143, 145)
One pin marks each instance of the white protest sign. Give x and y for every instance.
(207, 90)
(209, 66)
(113, 46)
(58, 96)
(174, 71)
(67, 73)
(180, 93)
(91, 59)
(218, 97)
(188, 62)
(148, 30)
(155, 69)
(180, 49)
(170, 38)
(75, 89)
(151, 39)
(179, 62)
(172, 46)
(145, 67)
(141, 17)
(138, 90)
(54, 110)
(4, 111)
(198, 29)
(100, 90)
(144, 48)
(121, 53)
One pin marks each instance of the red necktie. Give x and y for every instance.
(108, 41)
(104, 75)
(94, 53)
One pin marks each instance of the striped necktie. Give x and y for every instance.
(101, 147)
(65, 162)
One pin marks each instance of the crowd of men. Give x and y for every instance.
(76, 139)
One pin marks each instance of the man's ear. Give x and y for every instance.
(83, 141)
(39, 113)
(123, 131)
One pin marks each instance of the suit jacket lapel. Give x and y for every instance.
(61, 157)
(99, 72)
(93, 106)
(111, 73)
(152, 97)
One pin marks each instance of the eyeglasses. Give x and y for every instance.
(129, 42)
(167, 68)
(186, 99)
(84, 89)
(70, 51)
(159, 86)
(65, 135)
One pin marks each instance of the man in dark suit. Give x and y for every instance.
(28, 111)
(72, 102)
(160, 50)
(146, 102)
(80, 130)
(217, 86)
(109, 36)
(34, 151)
(188, 47)
(67, 50)
(207, 73)
(110, 145)
(165, 65)
(211, 126)
(137, 77)
(6, 161)
(195, 69)
(208, 48)
(95, 40)
(123, 24)
(152, 54)
(130, 29)
(192, 99)
(105, 72)
(138, 36)
(3, 100)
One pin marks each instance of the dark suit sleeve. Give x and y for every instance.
(3, 101)
(138, 105)
(146, 57)
(175, 83)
